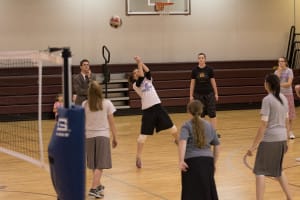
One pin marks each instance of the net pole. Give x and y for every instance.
(66, 54)
(40, 71)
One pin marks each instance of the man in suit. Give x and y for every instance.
(81, 81)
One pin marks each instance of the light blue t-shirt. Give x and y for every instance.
(191, 149)
(276, 113)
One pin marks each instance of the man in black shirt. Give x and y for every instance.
(203, 87)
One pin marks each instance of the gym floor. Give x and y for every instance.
(159, 179)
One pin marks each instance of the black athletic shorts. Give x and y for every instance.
(209, 104)
(155, 117)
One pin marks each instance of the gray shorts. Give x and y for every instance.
(269, 158)
(98, 153)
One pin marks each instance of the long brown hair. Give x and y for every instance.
(95, 96)
(195, 109)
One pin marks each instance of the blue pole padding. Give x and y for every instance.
(66, 152)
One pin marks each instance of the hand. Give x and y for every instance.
(183, 166)
(89, 73)
(191, 98)
(250, 151)
(114, 143)
(216, 97)
(137, 59)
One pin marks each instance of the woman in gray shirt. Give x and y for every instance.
(196, 159)
(271, 138)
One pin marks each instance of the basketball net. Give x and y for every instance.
(163, 8)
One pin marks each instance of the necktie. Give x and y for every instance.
(87, 79)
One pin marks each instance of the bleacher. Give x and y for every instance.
(239, 82)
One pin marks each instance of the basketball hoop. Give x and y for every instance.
(160, 7)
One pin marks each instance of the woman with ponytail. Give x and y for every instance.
(271, 138)
(196, 159)
(99, 125)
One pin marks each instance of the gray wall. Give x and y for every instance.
(224, 29)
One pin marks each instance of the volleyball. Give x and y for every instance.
(115, 21)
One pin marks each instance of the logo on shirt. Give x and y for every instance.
(202, 75)
(146, 87)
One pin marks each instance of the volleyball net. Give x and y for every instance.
(21, 106)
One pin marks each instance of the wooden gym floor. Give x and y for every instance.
(159, 179)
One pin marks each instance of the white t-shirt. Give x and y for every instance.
(147, 93)
(96, 123)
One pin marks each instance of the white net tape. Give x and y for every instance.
(20, 59)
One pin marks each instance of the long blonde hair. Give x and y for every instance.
(195, 109)
(95, 96)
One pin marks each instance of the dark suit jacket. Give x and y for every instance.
(80, 87)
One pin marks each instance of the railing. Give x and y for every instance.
(289, 52)
(105, 69)
(293, 50)
(296, 59)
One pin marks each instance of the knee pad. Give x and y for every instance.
(141, 138)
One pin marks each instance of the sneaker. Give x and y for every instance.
(95, 193)
(292, 136)
(100, 188)
(138, 163)
(298, 159)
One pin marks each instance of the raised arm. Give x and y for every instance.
(141, 65)
(145, 68)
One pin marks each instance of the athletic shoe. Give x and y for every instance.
(95, 193)
(138, 163)
(292, 136)
(298, 159)
(100, 188)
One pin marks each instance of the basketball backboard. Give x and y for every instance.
(147, 7)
